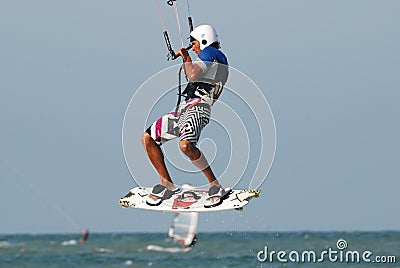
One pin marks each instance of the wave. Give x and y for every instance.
(69, 243)
(169, 249)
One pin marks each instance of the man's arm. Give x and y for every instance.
(193, 71)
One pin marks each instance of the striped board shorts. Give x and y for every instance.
(193, 115)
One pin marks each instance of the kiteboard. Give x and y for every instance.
(190, 200)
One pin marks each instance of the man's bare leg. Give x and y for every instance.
(156, 157)
(198, 159)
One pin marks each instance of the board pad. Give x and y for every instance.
(192, 200)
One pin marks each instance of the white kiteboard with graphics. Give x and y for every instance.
(191, 200)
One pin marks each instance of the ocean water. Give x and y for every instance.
(247, 249)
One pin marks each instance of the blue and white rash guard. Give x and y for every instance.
(214, 65)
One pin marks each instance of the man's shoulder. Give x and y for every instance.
(211, 54)
(208, 51)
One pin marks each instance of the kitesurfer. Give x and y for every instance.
(207, 75)
(85, 236)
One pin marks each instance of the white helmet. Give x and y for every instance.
(205, 34)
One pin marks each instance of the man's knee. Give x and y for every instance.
(186, 146)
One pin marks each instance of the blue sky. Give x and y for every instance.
(329, 70)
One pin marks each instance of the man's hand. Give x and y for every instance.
(184, 54)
